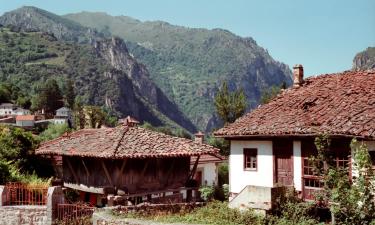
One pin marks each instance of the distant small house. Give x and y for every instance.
(6, 109)
(9, 109)
(270, 146)
(21, 111)
(208, 165)
(63, 116)
(64, 112)
(27, 121)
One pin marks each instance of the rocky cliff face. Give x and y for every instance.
(190, 64)
(30, 18)
(102, 68)
(365, 60)
(115, 52)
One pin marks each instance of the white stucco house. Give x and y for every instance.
(270, 146)
(208, 169)
(206, 173)
(63, 115)
(26, 121)
(10, 109)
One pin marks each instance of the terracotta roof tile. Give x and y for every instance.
(25, 117)
(337, 104)
(208, 158)
(123, 142)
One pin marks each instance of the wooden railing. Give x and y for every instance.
(23, 194)
(71, 212)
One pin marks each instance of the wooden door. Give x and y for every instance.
(283, 152)
(198, 177)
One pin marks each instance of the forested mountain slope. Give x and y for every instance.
(189, 64)
(40, 45)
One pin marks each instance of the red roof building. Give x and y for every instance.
(124, 161)
(270, 145)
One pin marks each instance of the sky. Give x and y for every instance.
(322, 35)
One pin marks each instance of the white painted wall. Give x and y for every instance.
(240, 178)
(25, 123)
(371, 147)
(209, 173)
(297, 165)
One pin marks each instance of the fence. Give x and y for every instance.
(71, 212)
(23, 194)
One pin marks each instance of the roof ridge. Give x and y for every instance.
(126, 129)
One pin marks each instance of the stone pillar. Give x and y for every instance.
(55, 196)
(3, 195)
(110, 200)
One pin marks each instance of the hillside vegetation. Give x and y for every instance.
(179, 75)
(30, 58)
(190, 64)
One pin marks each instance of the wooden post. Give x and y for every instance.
(72, 170)
(121, 171)
(87, 171)
(192, 172)
(145, 168)
(106, 173)
(169, 172)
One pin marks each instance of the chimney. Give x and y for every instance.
(199, 137)
(129, 121)
(297, 75)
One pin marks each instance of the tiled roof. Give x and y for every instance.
(25, 117)
(123, 142)
(336, 104)
(208, 159)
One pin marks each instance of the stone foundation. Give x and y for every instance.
(23, 215)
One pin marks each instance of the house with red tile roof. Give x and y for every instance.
(26, 121)
(127, 162)
(207, 171)
(270, 146)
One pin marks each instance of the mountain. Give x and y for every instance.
(189, 64)
(365, 60)
(38, 45)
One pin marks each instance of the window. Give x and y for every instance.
(250, 158)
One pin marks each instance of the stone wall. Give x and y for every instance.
(30, 214)
(23, 215)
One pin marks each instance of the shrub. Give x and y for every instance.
(207, 192)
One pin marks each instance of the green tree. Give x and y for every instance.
(17, 159)
(5, 93)
(54, 131)
(271, 93)
(79, 115)
(96, 116)
(49, 97)
(350, 203)
(230, 105)
(69, 95)
(221, 144)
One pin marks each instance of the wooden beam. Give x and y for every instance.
(82, 187)
(106, 173)
(76, 178)
(192, 172)
(123, 166)
(121, 171)
(145, 167)
(87, 171)
(169, 172)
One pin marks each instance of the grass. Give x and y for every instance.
(216, 213)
